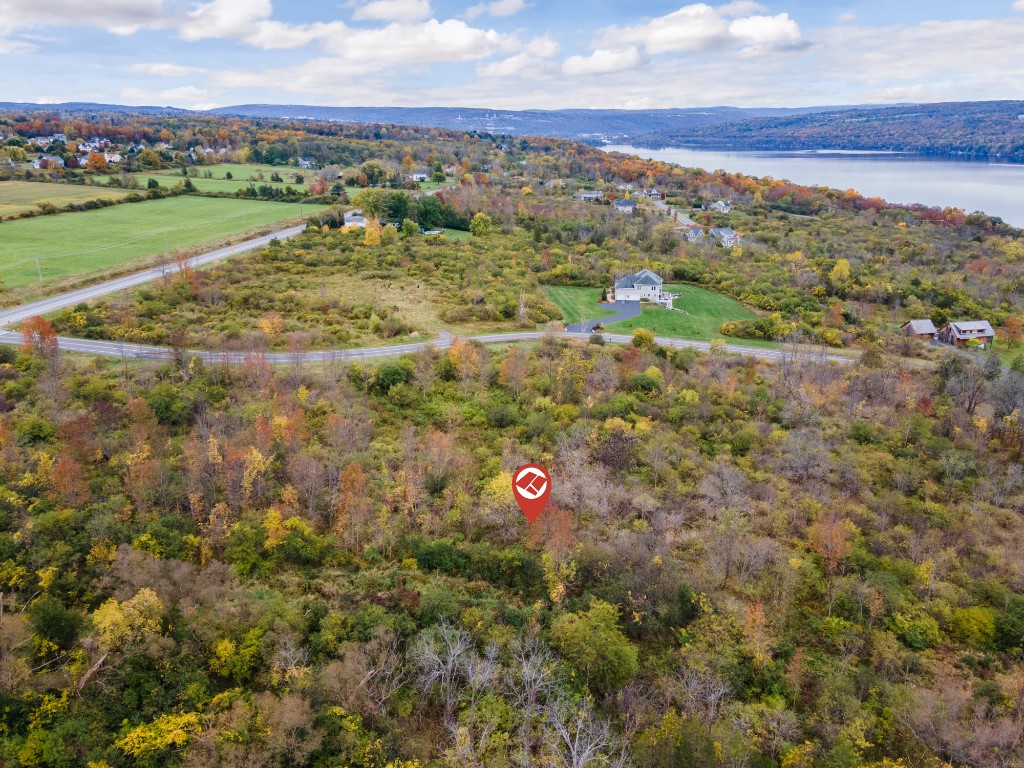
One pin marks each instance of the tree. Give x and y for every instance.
(410, 228)
(441, 655)
(96, 161)
(120, 626)
(480, 226)
(39, 336)
(374, 231)
(593, 643)
(643, 339)
(1013, 331)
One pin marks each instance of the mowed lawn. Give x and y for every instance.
(73, 244)
(576, 304)
(16, 197)
(705, 312)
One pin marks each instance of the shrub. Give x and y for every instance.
(593, 643)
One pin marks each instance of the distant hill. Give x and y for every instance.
(985, 130)
(591, 125)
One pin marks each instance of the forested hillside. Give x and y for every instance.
(979, 130)
(784, 564)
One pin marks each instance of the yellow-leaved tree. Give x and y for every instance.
(120, 626)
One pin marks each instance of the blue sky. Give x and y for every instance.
(510, 54)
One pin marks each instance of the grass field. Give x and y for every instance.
(457, 234)
(78, 243)
(16, 197)
(706, 311)
(577, 304)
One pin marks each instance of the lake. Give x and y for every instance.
(995, 188)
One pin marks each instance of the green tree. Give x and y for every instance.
(643, 339)
(410, 228)
(593, 643)
(480, 225)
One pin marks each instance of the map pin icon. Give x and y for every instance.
(531, 486)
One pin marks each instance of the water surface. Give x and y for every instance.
(995, 188)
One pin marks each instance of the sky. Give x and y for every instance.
(510, 54)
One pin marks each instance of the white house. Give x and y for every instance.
(721, 206)
(625, 206)
(48, 161)
(307, 163)
(419, 178)
(641, 286)
(694, 234)
(726, 236)
(588, 196)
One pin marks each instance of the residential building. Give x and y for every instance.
(720, 206)
(726, 236)
(625, 206)
(964, 331)
(695, 234)
(48, 161)
(588, 196)
(419, 178)
(307, 162)
(641, 286)
(923, 329)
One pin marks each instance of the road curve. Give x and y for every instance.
(71, 298)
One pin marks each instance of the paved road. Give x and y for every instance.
(70, 299)
(147, 352)
(620, 310)
(684, 220)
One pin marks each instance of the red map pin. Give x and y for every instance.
(531, 485)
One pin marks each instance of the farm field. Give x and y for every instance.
(16, 197)
(706, 311)
(78, 243)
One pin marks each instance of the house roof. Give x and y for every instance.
(723, 232)
(964, 328)
(625, 204)
(643, 277)
(921, 326)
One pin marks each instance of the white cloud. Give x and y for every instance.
(163, 69)
(432, 40)
(531, 62)
(121, 17)
(603, 61)
(393, 10)
(249, 21)
(699, 27)
(851, 16)
(16, 46)
(1019, 6)
(765, 30)
(499, 8)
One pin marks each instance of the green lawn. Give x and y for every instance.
(706, 311)
(19, 196)
(575, 303)
(457, 234)
(73, 244)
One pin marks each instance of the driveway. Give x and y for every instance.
(618, 310)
